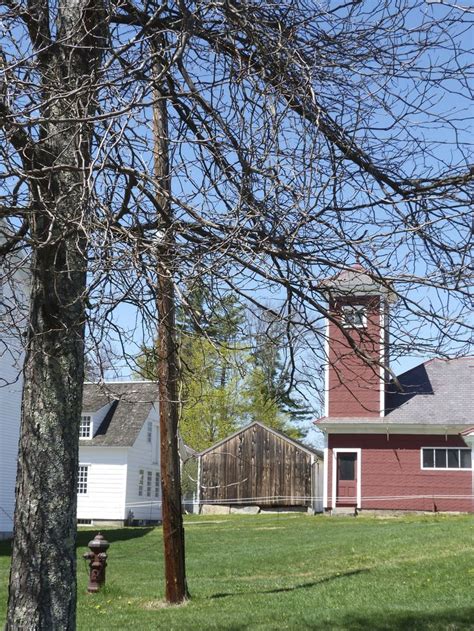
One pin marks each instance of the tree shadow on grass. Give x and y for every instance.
(308, 585)
(386, 620)
(5, 548)
(442, 620)
(112, 535)
(84, 536)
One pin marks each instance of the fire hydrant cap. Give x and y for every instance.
(99, 544)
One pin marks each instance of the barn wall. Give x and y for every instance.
(391, 471)
(256, 467)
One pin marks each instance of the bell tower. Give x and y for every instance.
(356, 345)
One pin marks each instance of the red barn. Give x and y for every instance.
(400, 444)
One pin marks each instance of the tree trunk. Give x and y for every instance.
(173, 531)
(43, 570)
(42, 591)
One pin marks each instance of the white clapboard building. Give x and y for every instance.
(13, 309)
(119, 468)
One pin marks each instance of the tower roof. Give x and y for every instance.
(357, 281)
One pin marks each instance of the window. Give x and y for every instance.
(149, 477)
(445, 458)
(82, 477)
(347, 466)
(157, 484)
(141, 477)
(354, 316)
(85, 427)
(149, 431)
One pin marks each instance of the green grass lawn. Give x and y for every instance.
(287, 572)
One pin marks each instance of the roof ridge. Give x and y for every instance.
(109, 382)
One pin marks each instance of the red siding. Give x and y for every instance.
(354, 385)
(391, 471)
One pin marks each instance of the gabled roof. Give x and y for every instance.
(437, 392)
(130, 404)
(310, 450)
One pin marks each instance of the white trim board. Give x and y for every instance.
(326, 369)
(325, 475)
(377, 427)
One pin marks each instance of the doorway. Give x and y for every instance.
(346, 477)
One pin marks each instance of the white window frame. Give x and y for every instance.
(157, 484)
(141, 482)
(86, 421)
(351, 309)
(83, 480)
(347, 450)
(149, 432)
(149, 483)
(445, 468)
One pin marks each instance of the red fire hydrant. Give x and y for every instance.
(97, 562)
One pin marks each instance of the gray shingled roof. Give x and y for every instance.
(131, 404)
(356, 281)
(438, 392)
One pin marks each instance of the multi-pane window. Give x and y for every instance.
(446, 458)
(141, 477)
(149, 431)
(85, 426)
(157, 484)
(82, 477)
(149, 478)
(354, 316)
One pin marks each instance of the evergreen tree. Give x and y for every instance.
(270, 386)
(212, 365)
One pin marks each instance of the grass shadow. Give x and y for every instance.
(441, 620)
(84, 536)
(449, 619)
(5, 548)
(112, 535)
(280, 590)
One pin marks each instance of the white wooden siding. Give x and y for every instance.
(10, 406)
(107, 476)
(146, 456)
(319, 504)
(11, 361)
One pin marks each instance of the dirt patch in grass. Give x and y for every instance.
(153, 605)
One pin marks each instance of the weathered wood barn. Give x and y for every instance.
(259, 466)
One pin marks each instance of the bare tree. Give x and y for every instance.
(301, 137)
(50, 138)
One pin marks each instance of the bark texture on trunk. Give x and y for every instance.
(173, 530)
(42, 590)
